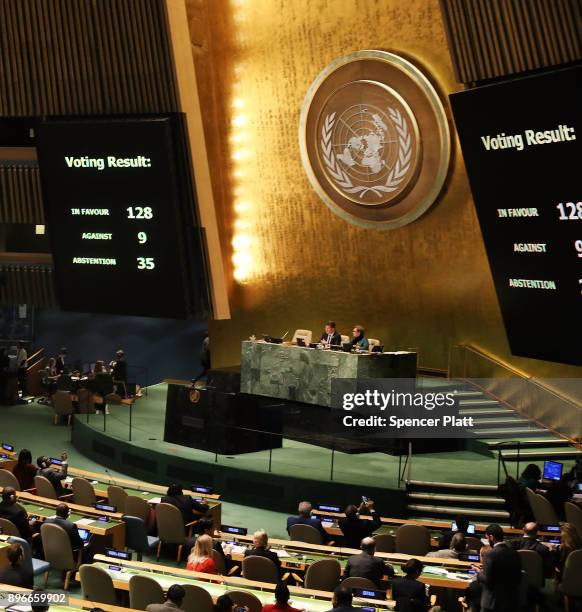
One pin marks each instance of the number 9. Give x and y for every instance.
(142, 237)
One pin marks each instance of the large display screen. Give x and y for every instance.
(121, 218)
(522, 144)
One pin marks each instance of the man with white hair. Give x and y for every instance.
(304, 518)
(261, 548)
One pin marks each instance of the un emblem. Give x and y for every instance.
(374, 139)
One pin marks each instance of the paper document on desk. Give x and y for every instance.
(238, 550)
(68, 480)
(155, 500)
(84, 521)
(326, 523)
(436, 571)
(282, 553)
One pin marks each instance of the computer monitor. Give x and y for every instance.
(85, 534)
(553, 470)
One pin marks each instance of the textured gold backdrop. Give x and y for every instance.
(426, 285)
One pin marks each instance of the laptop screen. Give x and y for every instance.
(85, 534)
(553, 470)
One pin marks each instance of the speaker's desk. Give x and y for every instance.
(304, 374)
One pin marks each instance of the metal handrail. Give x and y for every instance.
(501, 460)
(514, 371)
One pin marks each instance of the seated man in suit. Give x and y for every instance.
(261, 548)
(529, 541)
(342, 600)
(305, 518)
(61, 519)
(354, 528)
(408, 592)
(330, 336)
(501, 574)
(174, 599)
(15, 574)
(191, 509)
(53, 475)
(15, 513)
(365, 565)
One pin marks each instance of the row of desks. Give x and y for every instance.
(314, 601)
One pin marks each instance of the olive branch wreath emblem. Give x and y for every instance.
(396, 174)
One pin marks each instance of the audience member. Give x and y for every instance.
(462, 524)
(224, 603)
(174, 598)
(458, 545)
(54, 475)
(570, 541)
(530, 477)
(529, 541)
(60, 361)
(474, 591)
(62, 520)
(408, 592)
(206, 527)
(501, 574)
(366, 565)
(186, 504)
(304, 518)
(282, 597)
(15, 574)
(354, 528)
(261, 548)
(200, 559)
(119, 367)
(22, 368)
(559, 493)
(24, 470)
(15, 513)
(342, 600)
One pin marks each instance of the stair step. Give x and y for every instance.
(467, 499)
(511, 432)
(473, 394)
(479, 402)
(432, 519)
(454, 510)
(484, 411)
(543, 453)
(526, 442)
(452, 485)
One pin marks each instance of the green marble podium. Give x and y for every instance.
(304, 374)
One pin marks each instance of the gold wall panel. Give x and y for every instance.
(426, 285)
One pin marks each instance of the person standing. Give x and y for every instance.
(22, 368)
(60, 361)
(354, 528)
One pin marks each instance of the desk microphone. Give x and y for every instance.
(284, 335)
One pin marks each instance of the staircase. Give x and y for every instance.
(446, 500)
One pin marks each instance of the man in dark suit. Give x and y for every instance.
(529, 541)
(190, 509)
(60, 361)
(354, 528)
(260, 548)
(501, 574)
(330, 336)
(61, 519)
(15, 574)
(342, 600)
(408, 592)
(15, 513)
(365, 565)
(305, 518)
(174, 599)
(53, 475)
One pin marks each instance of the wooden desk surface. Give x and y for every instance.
(316, 601)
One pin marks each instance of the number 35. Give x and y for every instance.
(146, 263)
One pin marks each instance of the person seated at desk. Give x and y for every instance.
(458, 545)
(25, 470)
(462, 523)
(261, 548)
(174, 599)
(53, 475)
(408, 592)
(366, 565)
(305, 518)
(15, 513)
(359, 340)
(570, 541)
(206, 527)
(186, 504)
(354, 528)
(530, 477)
(330, 336)
(200, 559)
(15, 574)
(342, 600)
(282, 597)
(62, 520)
(529, 541)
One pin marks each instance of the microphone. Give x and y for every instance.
(284, 335)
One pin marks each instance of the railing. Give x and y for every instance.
(501, 461)
(525, 394)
